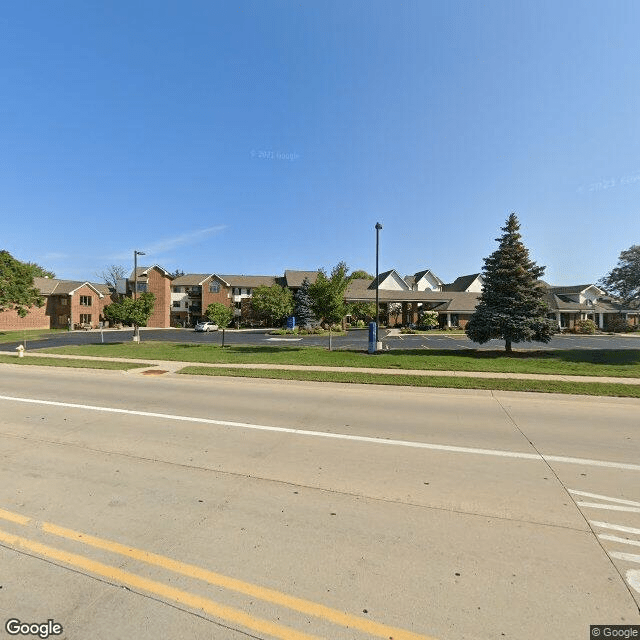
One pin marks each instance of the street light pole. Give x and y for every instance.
(136, 331)
(135, 272)
(378, 227)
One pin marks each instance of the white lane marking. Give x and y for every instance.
(597, 496)
(284, 339)
(633, 578)
(335, 436)
(614, 527)
(610, 507)
(629, 557)
(603, 536)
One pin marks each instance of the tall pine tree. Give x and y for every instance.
(302, 305)
(512, 306)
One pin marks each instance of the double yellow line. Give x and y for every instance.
(229, 614)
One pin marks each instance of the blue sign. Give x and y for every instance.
(373, 336)
(291, 322)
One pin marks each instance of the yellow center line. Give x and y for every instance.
(263, 593)
(157, 588)
(14, 517)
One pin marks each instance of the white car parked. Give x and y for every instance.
(206, 326)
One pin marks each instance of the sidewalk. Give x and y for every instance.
(173, 366)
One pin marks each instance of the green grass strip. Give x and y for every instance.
(577, 362)
(74, 364)
(498, 384)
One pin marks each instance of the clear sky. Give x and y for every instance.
(253, 137)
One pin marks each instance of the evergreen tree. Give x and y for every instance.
(302, 305)
(511, 305)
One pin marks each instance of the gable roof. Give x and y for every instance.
(250, 282)
(191, 279)
(144, 271)
(294, 279)
(55, 286)
(461, 284)
(387, 274)
(573, 289)
(421, 274)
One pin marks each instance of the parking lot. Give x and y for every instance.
(354, 340)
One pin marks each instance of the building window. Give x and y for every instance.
(63, 302)
(248, 292)
(176, 304)
(85, 301)
(238, 305)
(177, 289)
(85, 318)
(142, 287)
(214, 287)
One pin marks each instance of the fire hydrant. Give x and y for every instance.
(20, 350)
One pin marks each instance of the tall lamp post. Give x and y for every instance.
(135, 271)
(378, 227)
(136, 331)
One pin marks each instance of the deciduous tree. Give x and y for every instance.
(111, 275)
(17, 291)
(327, 294)
(219, 314)
(511, 306)
(624, 279)
(131, 312)
(272, 304)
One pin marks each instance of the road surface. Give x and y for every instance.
(172, 506)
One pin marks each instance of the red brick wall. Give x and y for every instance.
(160, 285)
(209, 298)
(463, 319)
(37, 318)
(95, 309)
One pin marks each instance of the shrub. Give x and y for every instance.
(407, 330)
(428, 320)
(617, 324)
(361, 324)
(585, 326)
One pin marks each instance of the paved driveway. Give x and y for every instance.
(356, 340)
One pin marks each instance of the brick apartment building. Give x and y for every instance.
(154, 280)
(183, 300)
(66, 303)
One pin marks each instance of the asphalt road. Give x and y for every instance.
(357, 340)
(134, 506)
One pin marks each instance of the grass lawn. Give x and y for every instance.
(540, 386)
(584, 362)
(28, 335)
(75, 364)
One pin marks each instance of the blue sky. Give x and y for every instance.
(253, 137)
